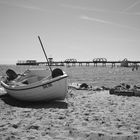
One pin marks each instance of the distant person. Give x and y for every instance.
(135, 66)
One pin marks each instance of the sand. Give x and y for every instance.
(91, 115)
(83, 115)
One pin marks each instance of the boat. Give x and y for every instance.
(36, 85)
(125, 90)
(122, 92)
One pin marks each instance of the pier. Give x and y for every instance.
(73, 62)
(88, 63)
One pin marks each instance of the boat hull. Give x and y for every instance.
(133, 92)
(54, 89)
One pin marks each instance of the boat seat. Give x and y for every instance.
(57, 72)
(33, 79)
(11, 75)
(40, 78)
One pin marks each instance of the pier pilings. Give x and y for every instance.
(85, 63)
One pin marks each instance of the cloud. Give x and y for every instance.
(124, 12)
(32, 8)
(95, 19)
(107, 22)
(82, 8)
(22, 6)
(131, 6)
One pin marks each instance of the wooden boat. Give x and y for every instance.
(125, 90)
(35, 85)
(122, 92)
(132, 92)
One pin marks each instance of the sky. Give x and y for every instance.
(79, 29)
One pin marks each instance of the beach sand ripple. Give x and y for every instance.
(83, 115)
(91, 115)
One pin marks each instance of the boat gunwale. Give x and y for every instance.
(18, 88)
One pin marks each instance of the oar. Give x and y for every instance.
(45, 54)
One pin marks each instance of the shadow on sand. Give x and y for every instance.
(42, 104)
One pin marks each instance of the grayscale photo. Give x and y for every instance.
(69, 70)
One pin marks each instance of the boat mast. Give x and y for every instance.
(45, 54)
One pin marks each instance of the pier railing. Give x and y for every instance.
(88, 63)
(73, 62)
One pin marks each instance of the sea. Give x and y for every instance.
(95, 76)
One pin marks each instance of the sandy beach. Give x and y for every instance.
(83, 115)
(96, 44)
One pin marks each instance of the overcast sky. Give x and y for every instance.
(80, 29)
